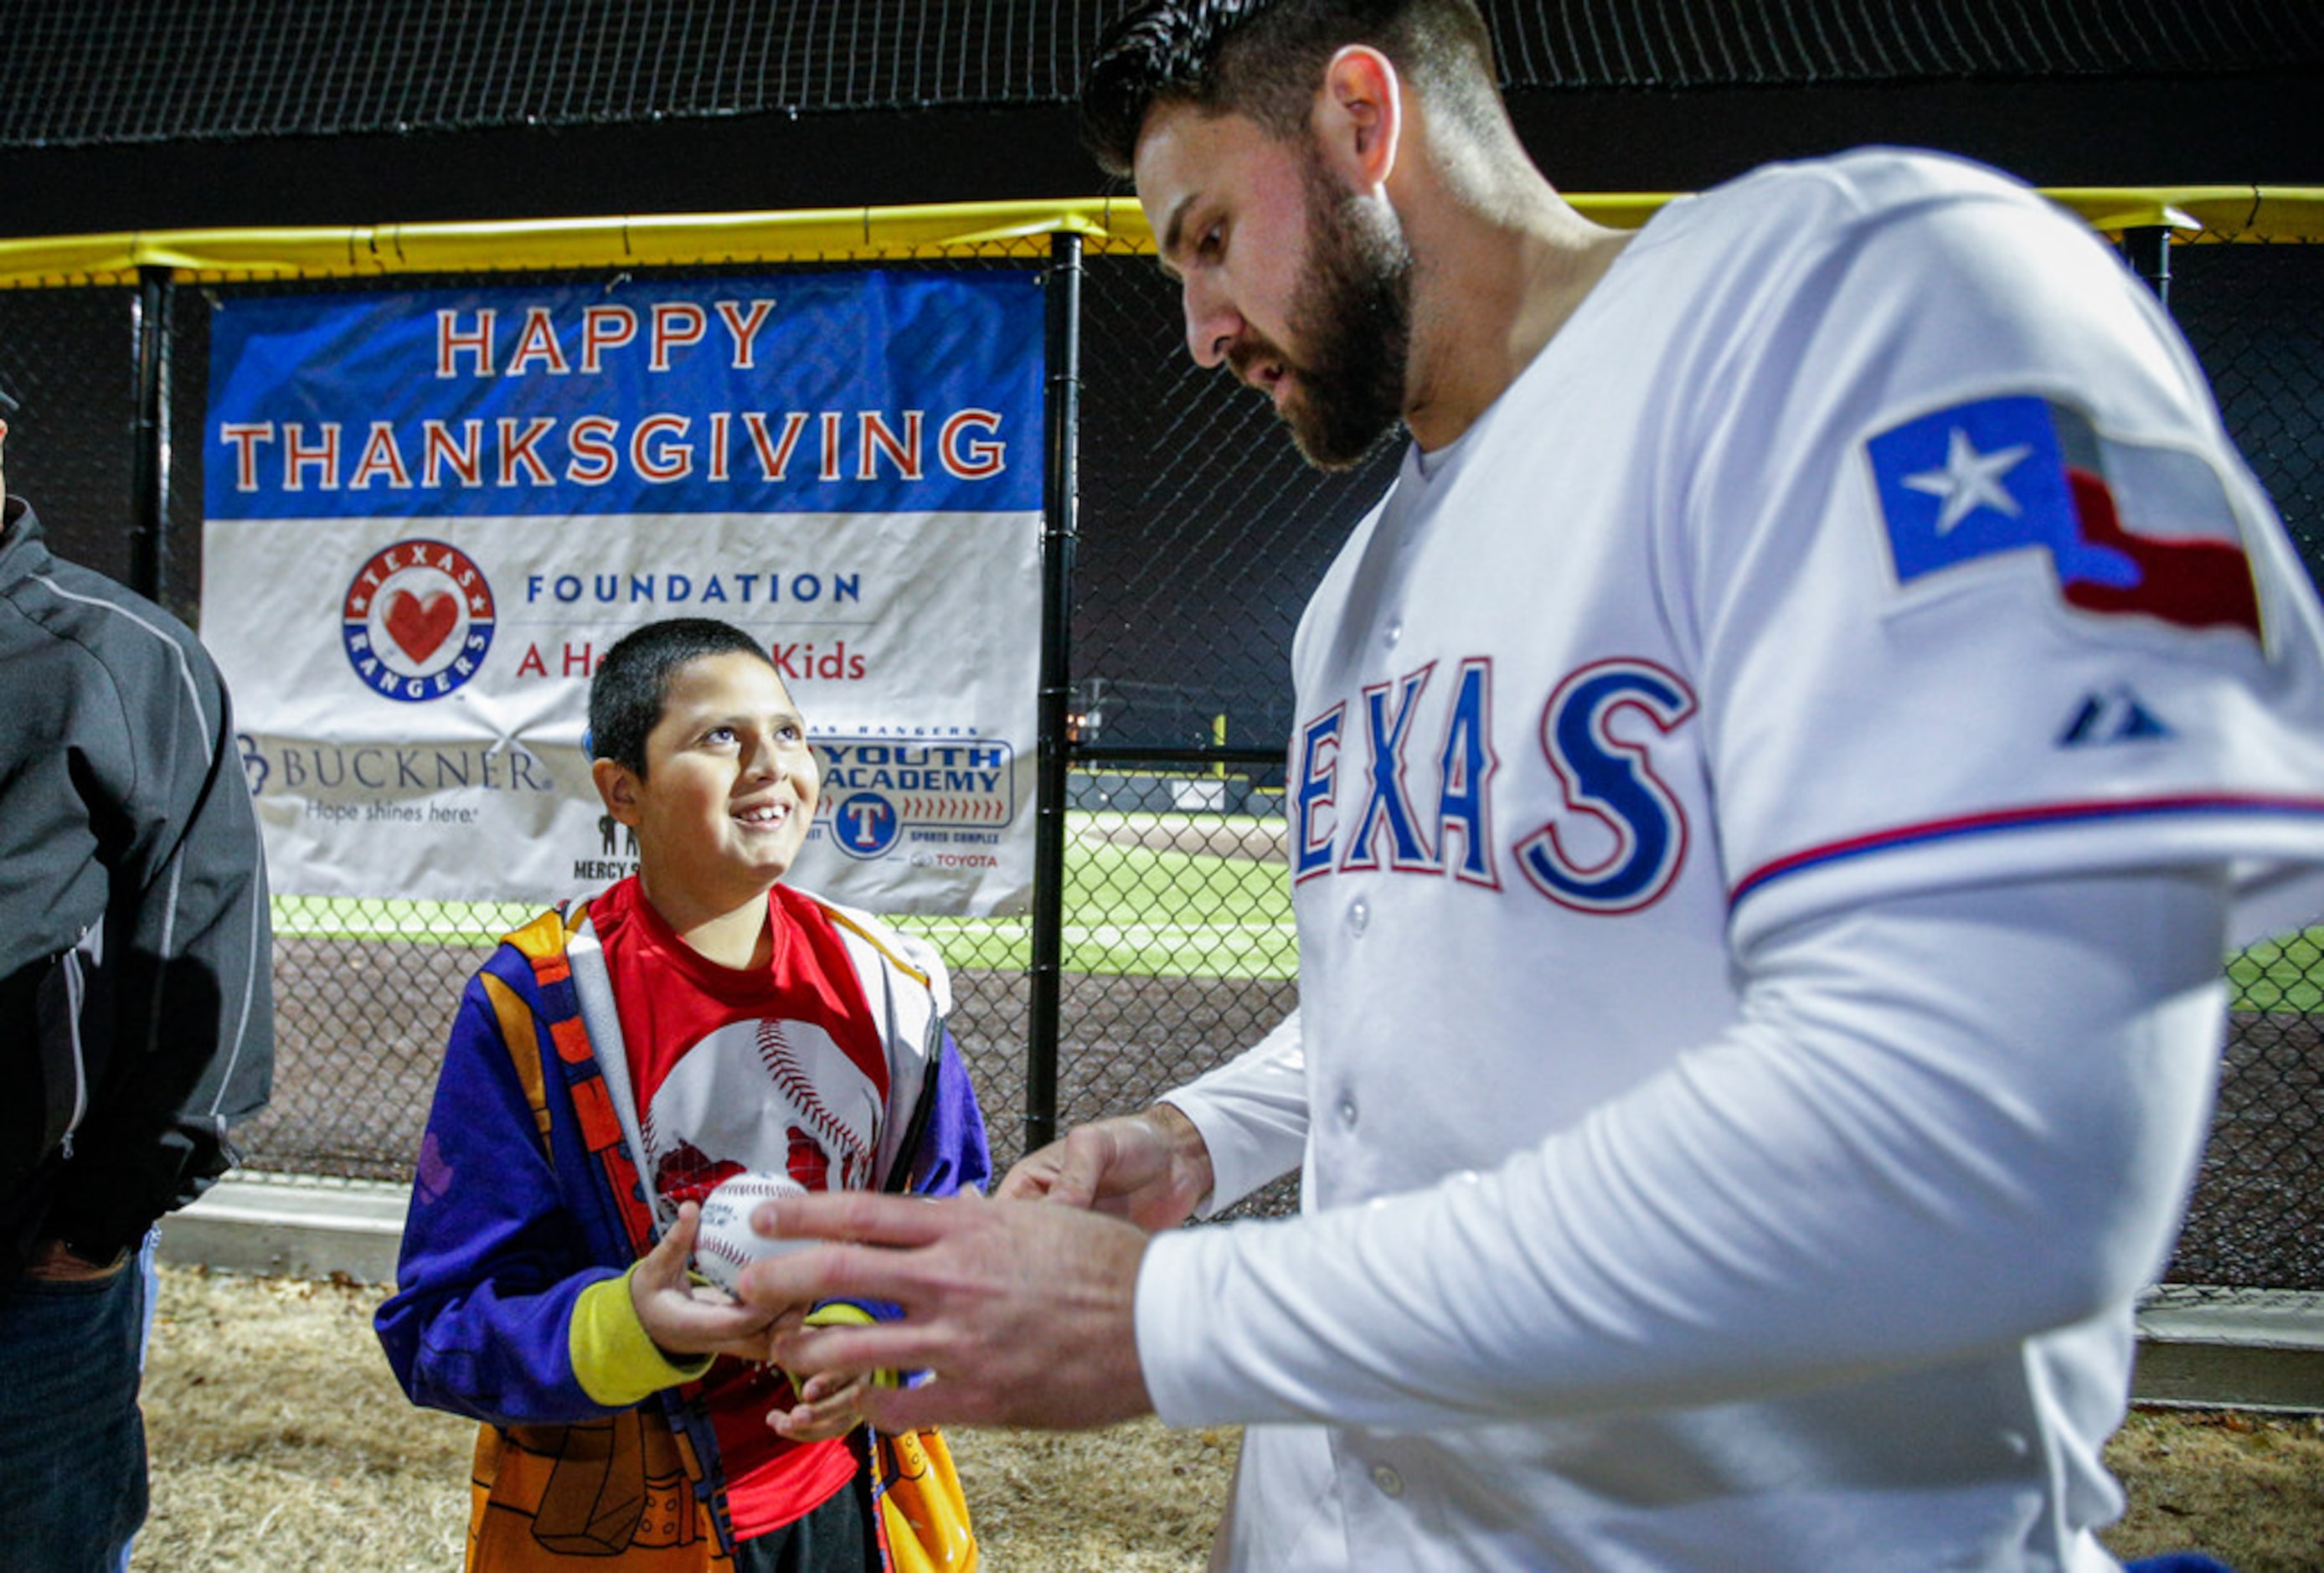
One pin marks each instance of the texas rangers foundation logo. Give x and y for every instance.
(417, 621)
(1997, 474)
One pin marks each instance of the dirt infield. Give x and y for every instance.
(1259, 840)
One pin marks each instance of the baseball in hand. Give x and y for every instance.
(725, 1242)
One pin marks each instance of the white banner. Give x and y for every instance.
(430, 514)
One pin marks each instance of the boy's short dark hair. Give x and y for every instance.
(1264, 58)
(632, 683)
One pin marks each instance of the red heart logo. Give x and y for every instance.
(419, 627)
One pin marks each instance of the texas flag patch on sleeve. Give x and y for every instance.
(2129, 530)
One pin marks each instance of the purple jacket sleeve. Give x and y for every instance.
(494, 1258)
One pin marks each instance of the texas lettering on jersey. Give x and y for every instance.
(1373, 789)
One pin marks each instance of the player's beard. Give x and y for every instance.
(1352, 322)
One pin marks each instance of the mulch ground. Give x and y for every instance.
(279, 1441)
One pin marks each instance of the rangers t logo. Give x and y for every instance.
(1997, 474)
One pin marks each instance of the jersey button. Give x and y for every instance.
(1390, 1482)
(1359, 915)
(1348, 1113)
(1391, 634)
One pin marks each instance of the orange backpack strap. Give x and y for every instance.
(543, 943)
(856, 926)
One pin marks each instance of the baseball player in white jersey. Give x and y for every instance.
(1773, 784)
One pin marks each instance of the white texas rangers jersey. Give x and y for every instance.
(1867, 531)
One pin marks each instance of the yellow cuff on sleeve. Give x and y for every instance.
(839, 1313)
(617, 1363)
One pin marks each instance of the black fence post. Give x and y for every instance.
(150, 476)
(2148, 247)
(1060, 502)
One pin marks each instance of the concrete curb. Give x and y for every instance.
(2230, 1348)
(2198, 1348)
(291, 1227)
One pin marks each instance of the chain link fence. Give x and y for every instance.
(2254, 314)
(1200, 534)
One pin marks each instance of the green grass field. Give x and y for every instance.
(1141, 912)
(1130, 911)
(2286, 975)
(1137, 911)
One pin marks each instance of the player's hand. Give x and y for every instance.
(1022, 1315)
(1151, 1168)
(685, 1317)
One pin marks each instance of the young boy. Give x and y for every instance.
(609, 1066)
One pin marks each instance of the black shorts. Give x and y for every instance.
(835, 1537)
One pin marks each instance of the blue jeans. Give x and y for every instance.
(72, 1443)
(151, 1290)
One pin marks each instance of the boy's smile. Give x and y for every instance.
(729, 792)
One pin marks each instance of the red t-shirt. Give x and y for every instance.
(779, 1069)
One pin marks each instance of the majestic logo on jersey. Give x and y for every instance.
(2115, 715)
(1376, 786)
(1997, 475)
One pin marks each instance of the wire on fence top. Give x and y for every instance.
(949, 230)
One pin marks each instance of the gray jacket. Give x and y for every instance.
(136, 1009)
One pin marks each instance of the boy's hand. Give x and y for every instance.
(829, 1406)
(686, 1319)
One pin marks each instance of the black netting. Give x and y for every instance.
(69, 359)
(2256, 317)
(1575, 44)
(1200, 533)
(143, 70)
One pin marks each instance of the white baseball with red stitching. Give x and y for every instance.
(725, 1242)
